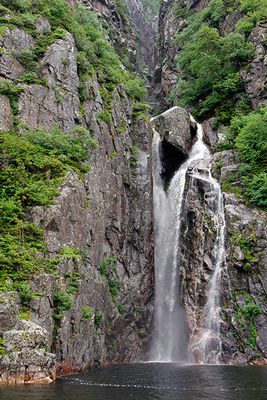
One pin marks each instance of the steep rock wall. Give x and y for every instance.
(106, 216)
(145, 21)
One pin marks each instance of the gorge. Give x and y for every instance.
(126, 237)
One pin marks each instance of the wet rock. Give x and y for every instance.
(212, 135)
(176, 128)
(244, 284)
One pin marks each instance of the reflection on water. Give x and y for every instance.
(152, 381)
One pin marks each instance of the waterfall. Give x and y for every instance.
(170, 341)
(208, 346)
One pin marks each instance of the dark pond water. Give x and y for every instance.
(152, 381)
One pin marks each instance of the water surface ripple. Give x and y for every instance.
(152, 382)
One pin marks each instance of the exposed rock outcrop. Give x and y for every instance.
(256, 77)
(105, 216)
(6, 117)
(176, 127)
(243, 288)
(145, 23)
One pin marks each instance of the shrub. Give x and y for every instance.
(12, 91)
(210, 64)
(33, 167)
(107, 265)
(70, 252)
(114, 287)
(121, 309)
(248, 134)
(98, 318)
(135, 89)
(2, 347)
(25, 292)
(87, 313)
(62, 302)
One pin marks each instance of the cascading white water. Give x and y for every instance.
(169, 340)
(208, 346)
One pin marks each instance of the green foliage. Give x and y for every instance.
(25, 292)
(105, 116)
(24, 315)
(245, 316)
(114, 287)
(135, 89)
(133, 157)
(108, 269)
(74, 283)
(251, 140)
(121, 309)
(139, 109)
(27, 58)
(87, 313)
(62, 302)
(107, 265)
(210, 64)
(70, 252)
(247, 245)
(98, 318)
(12, 91)
(255, 13)
(33, 166)
(248, 134)
(31, 77)
(2, 347)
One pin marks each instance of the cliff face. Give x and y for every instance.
(243, 293)
(174, 19)
(94, 308)
(145, 21)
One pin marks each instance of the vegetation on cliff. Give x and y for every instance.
(33, 167)
(248, 135)
(34, 163)
(213, 63)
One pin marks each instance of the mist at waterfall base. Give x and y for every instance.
(170, 338)
(151, 382)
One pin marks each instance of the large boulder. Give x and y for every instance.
(26, 359)
(177, 128)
